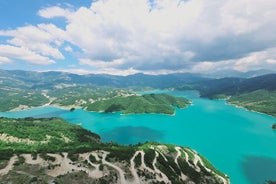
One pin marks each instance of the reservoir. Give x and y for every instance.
(238, 142)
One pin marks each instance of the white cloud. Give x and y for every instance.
(111, 71)
(43, 39)
(102, 64)
(114, 71)
(4, 60)
(256, 60)
(8, 51)
(164, 35)
(114, 30)
(157, 35)
(271, 61)
(245, 16)
(54, 11)
(75, 71)
(34, 44)
(204, 66)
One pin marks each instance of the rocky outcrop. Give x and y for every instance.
(149, 163)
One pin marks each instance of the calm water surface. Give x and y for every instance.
(238, 142)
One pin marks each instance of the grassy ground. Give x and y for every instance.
(43, 135)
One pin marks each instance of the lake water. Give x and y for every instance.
(238, 142)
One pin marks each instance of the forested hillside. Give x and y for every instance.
(258, 93)
(54, 151)
(150, 103)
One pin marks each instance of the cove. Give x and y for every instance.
(238, 142)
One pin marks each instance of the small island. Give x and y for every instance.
(274, 126)
(149, 103)
(54, 151)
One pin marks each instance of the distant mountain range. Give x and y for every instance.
(255, 93)
(48, 80)
(233, 86)
(234, 73)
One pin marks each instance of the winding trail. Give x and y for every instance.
(155, 170)
(177, 155)
(163, 176)
(51, 99)
(187, 158)
(37, 161)
(63, 165)
(198, 159)
(95, 173)
(132, 168)
(143, 165)
(183, 176)
(9, 166)
(118, 169)
(66, 165)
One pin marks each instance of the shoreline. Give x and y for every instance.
(24, 108)
(242, 107)
(125, 114)
(250, 110)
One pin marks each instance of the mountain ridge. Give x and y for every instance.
(46, 80)
(49, 79)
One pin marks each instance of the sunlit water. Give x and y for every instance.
(238, 142)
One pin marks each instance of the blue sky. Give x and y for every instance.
(125, 37)
(16, 13)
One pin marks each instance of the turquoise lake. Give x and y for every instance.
(238, 142)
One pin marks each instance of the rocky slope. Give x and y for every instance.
(154, 163)
(98, 162)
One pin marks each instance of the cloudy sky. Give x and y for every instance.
(130, 36)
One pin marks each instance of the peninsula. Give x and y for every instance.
(99, 99)
(256, 93)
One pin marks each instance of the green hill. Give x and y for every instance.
(149, 103)
(263, 101)
(233, 86)
(43, 135)
(54, 151)
(257, 93)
